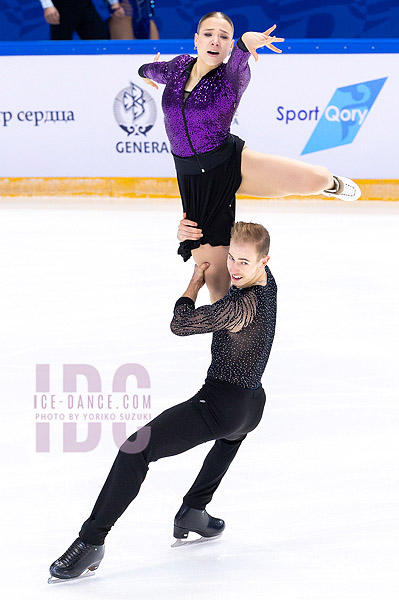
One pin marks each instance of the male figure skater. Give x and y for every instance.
(229, 405)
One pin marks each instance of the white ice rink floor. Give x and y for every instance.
(311, 500)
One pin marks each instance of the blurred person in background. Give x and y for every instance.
(67, 16)
(137, 21)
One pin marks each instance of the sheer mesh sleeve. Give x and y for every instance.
(231, 313)
(242, 326)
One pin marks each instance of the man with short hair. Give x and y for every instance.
(229, 405)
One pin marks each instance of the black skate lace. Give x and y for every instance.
(75, 551)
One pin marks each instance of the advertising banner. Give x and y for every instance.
(93, 116)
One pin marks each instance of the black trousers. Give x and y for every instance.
(219, 411)
(80, 16)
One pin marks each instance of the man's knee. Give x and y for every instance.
(138, 442)
(233, 440)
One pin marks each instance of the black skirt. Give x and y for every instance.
(208, 184)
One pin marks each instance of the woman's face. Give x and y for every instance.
(214, 41)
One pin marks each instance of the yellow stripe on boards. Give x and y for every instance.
(156, 187)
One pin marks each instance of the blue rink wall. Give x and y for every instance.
(95, 127)
(23, 19)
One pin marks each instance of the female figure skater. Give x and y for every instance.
(229, 405)
(200, 98)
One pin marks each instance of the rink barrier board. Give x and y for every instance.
(144, 187)
(65, 118)
(185, 46)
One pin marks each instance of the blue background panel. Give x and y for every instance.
(23, 19)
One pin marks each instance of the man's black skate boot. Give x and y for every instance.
(76, 560)
(193, 519)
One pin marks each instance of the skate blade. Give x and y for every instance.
(180, 543)
(53, 580)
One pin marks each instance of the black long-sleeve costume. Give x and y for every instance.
(229, 405)
(242, 323)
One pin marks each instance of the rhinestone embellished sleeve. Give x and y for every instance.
(243, 325)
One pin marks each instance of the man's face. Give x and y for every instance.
(244, 265)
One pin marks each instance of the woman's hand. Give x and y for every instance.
(254, 40)
(186, 230)
(149, 81)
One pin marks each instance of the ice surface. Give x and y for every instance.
(311, 500)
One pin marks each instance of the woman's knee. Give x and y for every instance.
(319, 179)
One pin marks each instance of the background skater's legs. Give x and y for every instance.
(91, 26)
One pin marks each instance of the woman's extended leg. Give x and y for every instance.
(269, 176)
(217, 277)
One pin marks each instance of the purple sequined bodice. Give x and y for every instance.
(202, 122)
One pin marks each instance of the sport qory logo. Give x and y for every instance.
(135, 110)
(344, 115)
